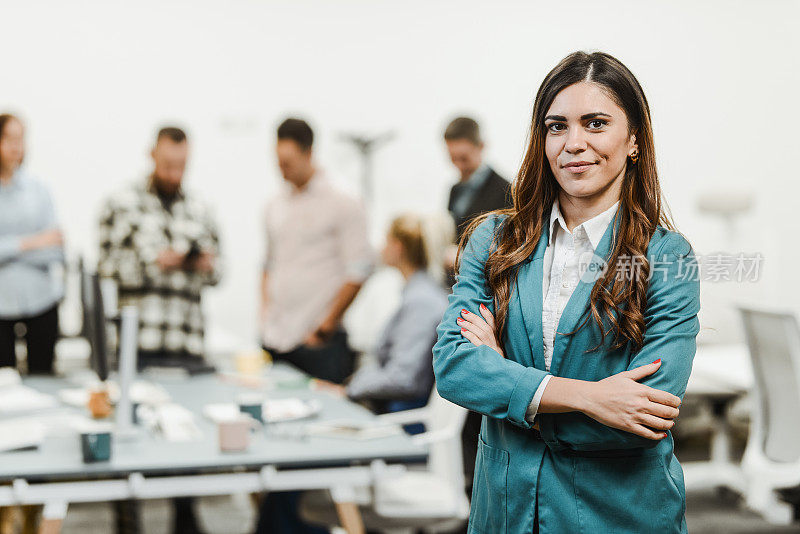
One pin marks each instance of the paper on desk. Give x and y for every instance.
(172, 421)
(20, 434)
(15, 397)
(273, 410)
(291, 409)
(19, 398)
(353, 429)
(221, 412)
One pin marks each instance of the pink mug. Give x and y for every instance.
(234, 434)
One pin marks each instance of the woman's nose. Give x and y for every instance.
(576, 142)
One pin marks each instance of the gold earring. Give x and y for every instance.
(635, 157)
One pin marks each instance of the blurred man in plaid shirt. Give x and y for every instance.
(161, 246)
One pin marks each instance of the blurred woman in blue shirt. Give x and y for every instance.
(30, 245)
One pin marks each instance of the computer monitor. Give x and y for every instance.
(94, 322)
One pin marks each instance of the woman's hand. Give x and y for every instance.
(319, 384)
(621, 402)
(479, 329)
(46, 239)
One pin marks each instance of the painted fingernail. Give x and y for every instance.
(463, 330)
(484, 307)
(465, 312)
(459, 319)
(658, 360)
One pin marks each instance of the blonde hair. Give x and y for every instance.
(424, 239)
(408, 230)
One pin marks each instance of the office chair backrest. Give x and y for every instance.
(774, 342)
(445, 455)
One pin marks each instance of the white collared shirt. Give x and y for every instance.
(565, 260)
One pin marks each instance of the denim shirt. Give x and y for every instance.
(27, 285)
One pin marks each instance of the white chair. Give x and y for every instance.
(432, 499)
(771, 459)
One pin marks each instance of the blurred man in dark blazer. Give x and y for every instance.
(479, 188)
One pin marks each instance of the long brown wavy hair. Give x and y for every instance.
(620, 293)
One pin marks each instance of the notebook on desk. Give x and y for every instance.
(18, 434)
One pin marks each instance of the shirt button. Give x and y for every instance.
(564, 284)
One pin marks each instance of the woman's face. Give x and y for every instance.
(12, 145)
(392, 253)
(587, 141)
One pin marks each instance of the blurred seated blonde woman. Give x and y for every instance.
(402, 376)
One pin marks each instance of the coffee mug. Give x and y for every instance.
(234, 434)
(96, 446)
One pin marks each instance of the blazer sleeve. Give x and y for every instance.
(671, 327)
(477, 377)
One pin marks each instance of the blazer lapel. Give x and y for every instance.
(529, 298)
(578, 303)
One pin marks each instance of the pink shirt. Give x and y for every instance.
(316, 242)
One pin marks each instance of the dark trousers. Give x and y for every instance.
(41, 332)
(128, 517)
(333, 361)
(279, 514)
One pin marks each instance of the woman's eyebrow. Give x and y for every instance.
(583, 117)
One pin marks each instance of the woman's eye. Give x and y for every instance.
(555, 127)
(597, 123)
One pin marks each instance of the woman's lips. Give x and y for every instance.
(577, 169)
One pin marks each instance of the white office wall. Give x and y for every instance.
(94, 79)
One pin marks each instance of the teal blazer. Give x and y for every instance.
(587, 477)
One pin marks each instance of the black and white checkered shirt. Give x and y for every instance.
(135, 226)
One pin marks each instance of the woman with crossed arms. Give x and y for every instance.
(573, 321)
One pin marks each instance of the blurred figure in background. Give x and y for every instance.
(479, 189)
(402, 377)
(317, 258)
(161, 246)
(30, 246)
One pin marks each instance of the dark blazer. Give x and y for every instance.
(494, 194)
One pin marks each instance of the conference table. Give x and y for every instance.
(281, 456)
